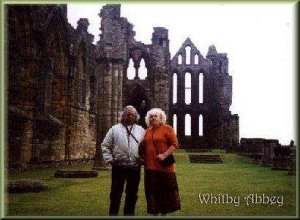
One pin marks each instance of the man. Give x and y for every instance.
(120, 149)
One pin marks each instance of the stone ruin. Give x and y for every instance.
(64, 92)
(269, 152)
(26, 185)
(201, 95)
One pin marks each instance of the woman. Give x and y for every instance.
(160, 180)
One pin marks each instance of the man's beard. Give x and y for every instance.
(129, 121)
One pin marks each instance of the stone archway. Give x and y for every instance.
(138, 98)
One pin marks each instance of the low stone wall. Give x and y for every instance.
(76, 173)
(24, 186)
(51, 164)
(267, 152)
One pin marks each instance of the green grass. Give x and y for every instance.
(237, 176)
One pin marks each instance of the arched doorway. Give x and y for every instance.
(138, 98)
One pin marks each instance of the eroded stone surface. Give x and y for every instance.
(76, 173)
(25, 186)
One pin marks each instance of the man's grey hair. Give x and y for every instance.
(154, 111)
(124, 113)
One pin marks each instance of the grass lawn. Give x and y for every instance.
(236, 177)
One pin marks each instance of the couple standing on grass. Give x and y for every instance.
(126, 147)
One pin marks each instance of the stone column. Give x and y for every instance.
(235, 131)
(100, 101)
(164, 91)
(180, 124)
(98, 160)
(195, 125)
(102, 122)
(26, 147)
(292, 164)
(120, 90)
(195, 88)
(221, 132)
(114, 98)
(136, 68)
(107, 98)
(180, 93)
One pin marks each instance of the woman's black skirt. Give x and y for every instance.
(161, 191)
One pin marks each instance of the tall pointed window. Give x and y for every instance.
(196, 59)
(175, 123)
(200, 125)
(174, 88)
(187, 88)
(188, 55)
(130, 70)
(201, 83)
(187, 125)
(179, 59)
(142, 70)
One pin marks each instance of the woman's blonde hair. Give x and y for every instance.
(156, 111)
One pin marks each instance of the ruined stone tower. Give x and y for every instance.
(119, 57)
(200, 98)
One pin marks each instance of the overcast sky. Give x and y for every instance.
(259, 39)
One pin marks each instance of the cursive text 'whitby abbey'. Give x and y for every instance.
(252, 198)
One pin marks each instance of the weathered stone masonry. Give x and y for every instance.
(51, 116)
(64, 92)
(219, 127)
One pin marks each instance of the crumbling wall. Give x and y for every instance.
(220, 128)
(50, 118)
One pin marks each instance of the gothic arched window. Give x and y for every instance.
(174, 88)
(187, 125)
(196, 59)
(142, 74)
(188, 55)
(187, 88)
(200, 125)
(201, 84)
(130, 70)
(175, 123)
(179, 59)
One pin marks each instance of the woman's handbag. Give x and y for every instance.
(169, 160)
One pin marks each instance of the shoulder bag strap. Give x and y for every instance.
(129, 133)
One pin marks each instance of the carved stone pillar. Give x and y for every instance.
(26, 146)
(103, 112)
(114, 98)
(120, 90)
(107, 101)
